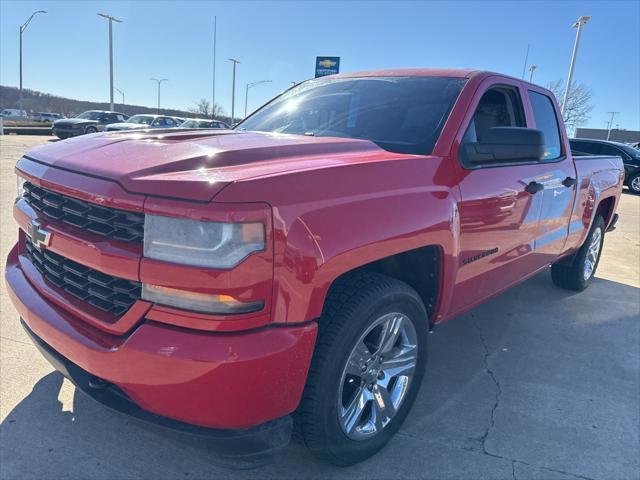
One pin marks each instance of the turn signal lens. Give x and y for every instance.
(197, 302)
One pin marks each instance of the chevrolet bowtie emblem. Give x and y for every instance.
(39, 236)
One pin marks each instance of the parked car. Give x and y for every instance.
(14, 114)
(144, 121)
(179, 120)
(91, 121)
(203, 123)
(630, 157)
(46, 117)
(218, 283)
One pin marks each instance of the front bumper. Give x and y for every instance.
(264, 439)
(67, 132)
(229, 381)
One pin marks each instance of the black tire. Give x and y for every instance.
(633, 182)
(90, 130)
(572, 276)
(353, 305)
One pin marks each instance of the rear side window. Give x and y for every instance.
(546, 121)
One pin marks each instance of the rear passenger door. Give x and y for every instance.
(559, 180)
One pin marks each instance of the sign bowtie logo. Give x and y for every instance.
(39, 236)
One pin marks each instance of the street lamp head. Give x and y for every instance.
(41, 11)
(581, 21)
(234, 60)
(109, 17)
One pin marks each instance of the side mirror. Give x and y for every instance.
(506, 144)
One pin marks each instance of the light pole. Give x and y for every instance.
(610, 124)
(532, 69)
(213, 86)
(159, 83)
(582, 21)
(111, 20)
(23, 27)
(233, 90)
(121, 93)
(246, 93)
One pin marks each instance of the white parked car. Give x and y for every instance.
(144, 121)
(14, 114)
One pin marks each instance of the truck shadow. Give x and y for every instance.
(40, 438)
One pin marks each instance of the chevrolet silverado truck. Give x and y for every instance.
(282, 277)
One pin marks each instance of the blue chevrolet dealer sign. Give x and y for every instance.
(327, 66)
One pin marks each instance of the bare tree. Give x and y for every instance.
(578, 105)
(203, 109)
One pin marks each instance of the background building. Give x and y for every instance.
(624, 136)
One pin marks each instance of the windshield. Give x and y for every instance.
(400, 114)
(90, 115)
(632, 152)
(141, 119)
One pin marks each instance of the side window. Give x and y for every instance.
(590, 148)
(546, 121)
(498, 107)
(612, 151)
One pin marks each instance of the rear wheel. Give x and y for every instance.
(91, 130)
(367, 368)
(634, 183)
(580, 272)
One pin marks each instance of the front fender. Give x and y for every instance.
(332, 240)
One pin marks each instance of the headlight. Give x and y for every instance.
(203, 244)
(20, 185)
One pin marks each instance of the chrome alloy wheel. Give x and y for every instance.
(591, 258)
(635, 184)
(377, 376)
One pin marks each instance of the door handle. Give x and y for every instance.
(534, 187)
(569, 182)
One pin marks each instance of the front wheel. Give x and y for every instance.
(578, 275)
(367, 368)
(91, 130)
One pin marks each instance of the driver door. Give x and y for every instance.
(499, 219)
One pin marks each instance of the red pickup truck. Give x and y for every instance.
(240, 284)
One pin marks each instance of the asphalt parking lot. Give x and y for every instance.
(538, 383)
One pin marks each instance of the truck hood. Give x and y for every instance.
(196, 165)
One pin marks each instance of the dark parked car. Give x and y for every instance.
(630, 157)
(91, 121)
(203, 123)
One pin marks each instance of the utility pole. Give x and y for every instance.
(159, 83)
(213, 85)
(526, 58)
(233, 90)
(111, 20)
(610, 124)
(121, 93)
(532, 69)
(246, 93)
(582, 21)
(23, 27)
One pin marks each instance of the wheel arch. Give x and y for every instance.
(420, 268)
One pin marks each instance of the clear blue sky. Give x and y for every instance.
(66, 51)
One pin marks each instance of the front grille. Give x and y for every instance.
(110, 294)
(105, 221)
